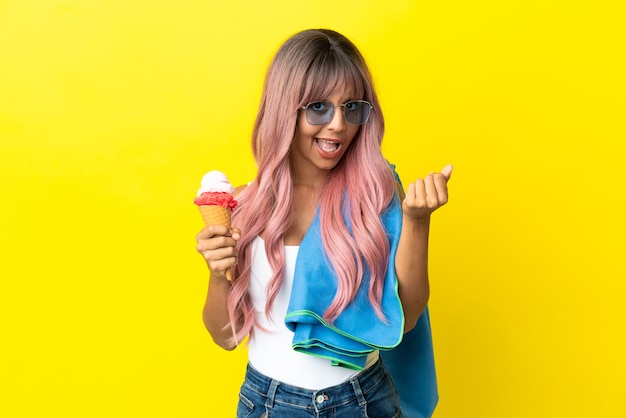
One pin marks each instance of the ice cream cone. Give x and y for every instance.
(215, 201)
(215, 215)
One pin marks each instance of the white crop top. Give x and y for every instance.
(270, 350)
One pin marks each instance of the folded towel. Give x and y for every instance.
(358, 331)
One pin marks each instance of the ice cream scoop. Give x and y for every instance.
(216, 190)
(215, 182)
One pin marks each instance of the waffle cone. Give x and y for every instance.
(215, 215)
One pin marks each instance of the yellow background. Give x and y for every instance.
(111, 111)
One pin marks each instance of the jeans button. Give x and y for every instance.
(320, 398)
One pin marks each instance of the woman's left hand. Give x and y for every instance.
(426, 195)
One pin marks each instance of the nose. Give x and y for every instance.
(338, 122)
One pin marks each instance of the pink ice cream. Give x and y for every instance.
(216, 190)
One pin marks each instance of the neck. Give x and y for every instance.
(308, 178)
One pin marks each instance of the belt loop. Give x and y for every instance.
(357, 391)
(271, 393)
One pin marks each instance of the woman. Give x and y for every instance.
(329, 261)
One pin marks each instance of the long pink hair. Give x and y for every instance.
(309, 66)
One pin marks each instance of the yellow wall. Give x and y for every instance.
(111, 111)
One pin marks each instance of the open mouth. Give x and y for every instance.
(327, 146)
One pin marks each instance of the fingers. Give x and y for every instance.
(447, 171)
(217, 245)
(214, 230)
(431, 193)
(426, 195)
(439, 189)
(416, 194)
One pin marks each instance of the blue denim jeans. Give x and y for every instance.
(370, 394)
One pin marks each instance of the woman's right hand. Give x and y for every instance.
(217, 245)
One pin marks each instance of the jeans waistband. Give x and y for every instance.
(330, 397)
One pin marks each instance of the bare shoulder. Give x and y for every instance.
(239, 189)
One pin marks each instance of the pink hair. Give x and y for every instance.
(309, 66)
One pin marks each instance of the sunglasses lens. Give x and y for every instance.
(320, 113)
(357, 113)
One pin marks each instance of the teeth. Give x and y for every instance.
(328, 146)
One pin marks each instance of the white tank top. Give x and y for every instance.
(269, 349)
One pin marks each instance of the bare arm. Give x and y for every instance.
(422, 198)
(216, 244)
